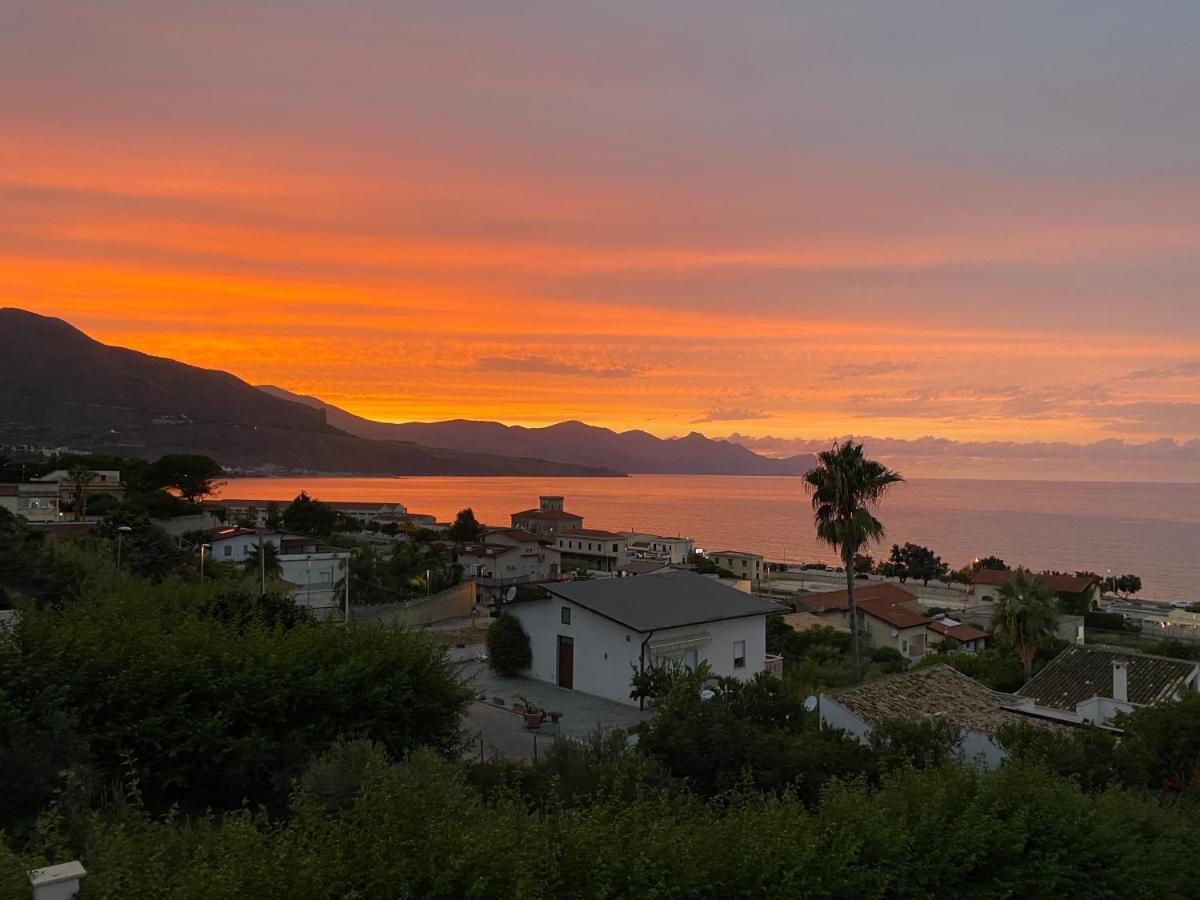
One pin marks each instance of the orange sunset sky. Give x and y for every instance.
(786, 222)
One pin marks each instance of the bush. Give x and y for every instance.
(209, 713)
(508, 646)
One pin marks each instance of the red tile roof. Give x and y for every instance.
(514, 534)
(885, 601)
(1063, 584)
(958, 632)
(592, 533)
(836, 600)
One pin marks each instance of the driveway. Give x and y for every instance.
(582, 713)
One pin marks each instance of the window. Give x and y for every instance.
(614, 548)
(566, 615)
(229, 550)
(739, 654)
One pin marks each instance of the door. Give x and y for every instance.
(566, 662)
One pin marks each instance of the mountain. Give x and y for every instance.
(575, 442)
(58, 387)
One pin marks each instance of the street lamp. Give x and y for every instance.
(203, 549)
(122, 530)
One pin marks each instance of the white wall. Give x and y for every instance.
(606, 653)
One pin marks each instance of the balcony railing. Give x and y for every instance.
(773, 665)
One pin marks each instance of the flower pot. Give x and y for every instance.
(555, 716)
(533, 721)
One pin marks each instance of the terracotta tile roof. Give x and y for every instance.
(1080, 673)
(592, 533)
(827, 600)
(959, 632)
(803, 621)
(932, 692)
(1063, 584)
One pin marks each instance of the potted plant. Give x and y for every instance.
(534, 715)
(555, 716)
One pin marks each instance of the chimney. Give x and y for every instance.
(59, 882)
(1120, 690)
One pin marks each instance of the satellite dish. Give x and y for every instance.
(894, 632)
(510, 595)
(810, 703)
(707, 694)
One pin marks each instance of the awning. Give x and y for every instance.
(679, 644)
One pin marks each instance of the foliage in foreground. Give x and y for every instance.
(211, 698)
(419, 829)
(508, 647)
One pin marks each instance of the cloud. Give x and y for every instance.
(539, 366)
(1182, 370)
(731, 414)
(866, 370)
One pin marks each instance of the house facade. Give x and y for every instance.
(592, 636)
(33, 502)
(598, 551)
(548, 520)
(957, 635)
(315, 575)
(743, 565)
(507, 557)
(888, 616)
(674, 550)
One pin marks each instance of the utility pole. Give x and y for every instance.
(262, 565)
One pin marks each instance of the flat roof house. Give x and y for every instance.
(599, 551)
(643, 545)
(740, 563)
(592, 636)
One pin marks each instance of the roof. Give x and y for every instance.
(644, 566)
(592, 533)
(805, 621)
(959, 632)
(514, 534)
(738, 553)
(1062, 584)
(486, 549)
(557, 515)
(938, 692)
(665, 600)
(223, 534)
(1080, 673)
(884, 600)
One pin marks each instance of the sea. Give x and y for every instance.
(1150, 530)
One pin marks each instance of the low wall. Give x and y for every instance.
(457, 602)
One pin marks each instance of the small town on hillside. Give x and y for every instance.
(600, 608)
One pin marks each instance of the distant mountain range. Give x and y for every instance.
(573, 442)
(58, 387)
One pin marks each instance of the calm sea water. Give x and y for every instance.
(1152, 530)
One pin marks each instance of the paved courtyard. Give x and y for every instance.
(582, 713)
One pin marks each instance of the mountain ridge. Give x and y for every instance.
(634, 451)
(59, 387)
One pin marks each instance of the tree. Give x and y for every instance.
(268, 563)
(191, 474)
(80, 476)
(273, 520)
(1125, 585)
(309, 516)
(846, 487)
(895, 566)
(915, 561)
(1025, 614)
(993, 563)
(508, 646)
(465, 528)
(863, 564)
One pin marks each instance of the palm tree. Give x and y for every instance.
(845, 488)
(80, 476)
(1025, 612)
(269, 564)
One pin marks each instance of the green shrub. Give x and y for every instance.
(508, 646)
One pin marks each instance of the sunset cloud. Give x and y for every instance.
(654, 226)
